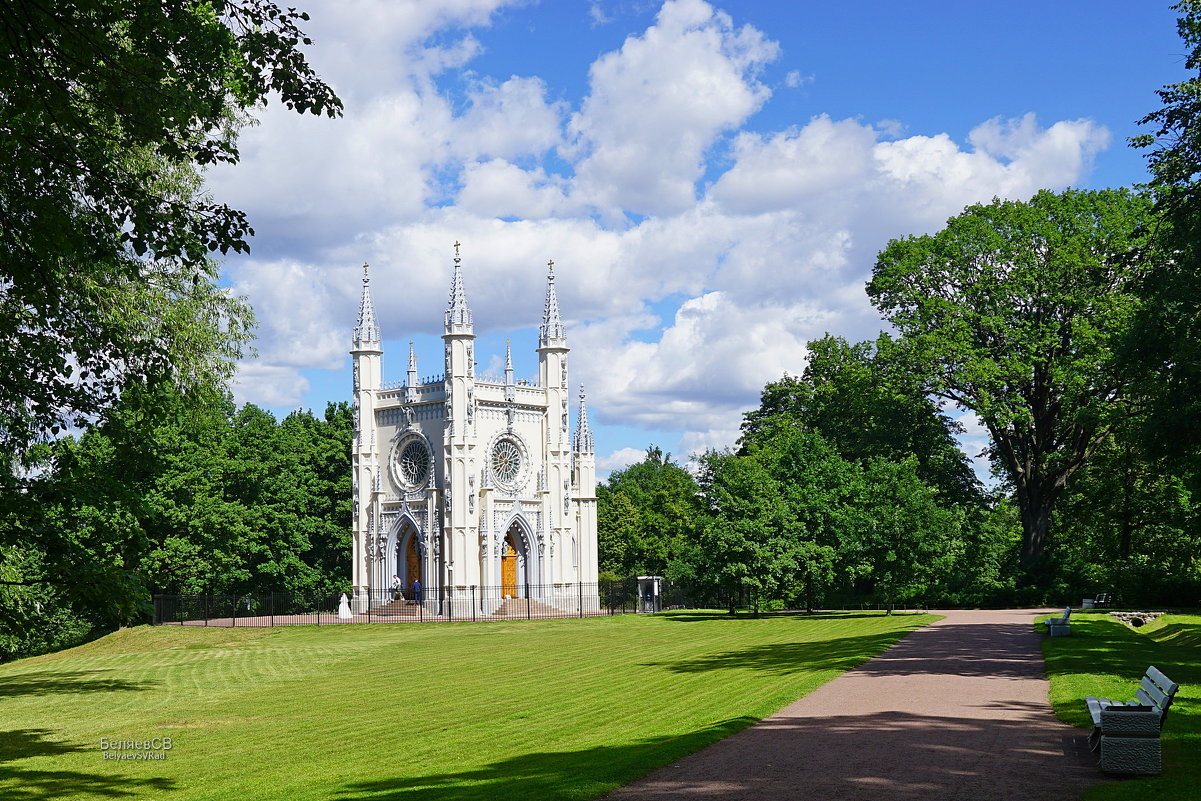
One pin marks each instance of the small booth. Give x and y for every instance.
(648, 594)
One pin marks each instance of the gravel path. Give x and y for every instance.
(957, 710)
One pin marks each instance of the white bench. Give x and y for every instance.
(1127, 732)
(1060, 626)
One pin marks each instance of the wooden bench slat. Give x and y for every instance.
(1155, 695)
(1156, 675)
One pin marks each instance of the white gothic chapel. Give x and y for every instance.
(470, 485)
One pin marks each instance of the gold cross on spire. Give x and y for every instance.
(551, 265)
(364, 269)
(456, 247)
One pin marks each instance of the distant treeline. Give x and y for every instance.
(175, 493)
(848, 486)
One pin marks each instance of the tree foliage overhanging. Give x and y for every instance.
(1166, 347)
(108, 110)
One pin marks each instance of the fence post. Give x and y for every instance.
(206, 610)
(472, 603)
(272, 612)
(581, 586)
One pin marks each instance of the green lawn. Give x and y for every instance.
(558, 709)
(1106, 658)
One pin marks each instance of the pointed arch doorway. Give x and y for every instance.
(508, 567)
(409, 564)
(413, 570)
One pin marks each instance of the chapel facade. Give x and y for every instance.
(471, 485)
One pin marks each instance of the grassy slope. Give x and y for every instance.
(1107, 659)
(562, 709)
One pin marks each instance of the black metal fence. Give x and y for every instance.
(473, 603)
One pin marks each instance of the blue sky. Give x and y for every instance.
(711, 179)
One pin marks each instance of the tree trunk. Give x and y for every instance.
(1035, 509)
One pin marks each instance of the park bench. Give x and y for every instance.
(1127, 733)
(1103, 600)
(1060, 626)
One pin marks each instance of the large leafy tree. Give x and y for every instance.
(865, 404)
(816, 487)
(1167, 341)
(1017, 311)
(108, 109)
(748, 540)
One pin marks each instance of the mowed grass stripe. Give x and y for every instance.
(542, 709)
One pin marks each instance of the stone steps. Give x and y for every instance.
(400, 608)
(522, 607)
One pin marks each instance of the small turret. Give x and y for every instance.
(411, 378)
(510, 386)
(583, 434)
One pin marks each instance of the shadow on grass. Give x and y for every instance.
(545, 775)
(983, 650)
(47, 682)
(1103, 645)
(840, 653)
(888, 756)
(23, 784)
(689, 616)
(41, 785)
(22, 743)
(1186, 635)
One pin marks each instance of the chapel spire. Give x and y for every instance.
(366, 329)
(411, 378)
(458, 316)
(583, 434)
(552, 324)
(508, 364)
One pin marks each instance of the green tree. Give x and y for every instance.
(1166, 344)
(747, 539)
(1016, 311)
(907, 541)
(867, 405)
(1131, 524)
(110, 108)
(646, 516)
(173, 493)
(817, 487)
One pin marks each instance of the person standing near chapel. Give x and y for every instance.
(417, 590)
(396, 587)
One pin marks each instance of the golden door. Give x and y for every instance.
(412, 566)
(508, 569)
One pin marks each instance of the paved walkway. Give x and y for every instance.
(957, 710)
